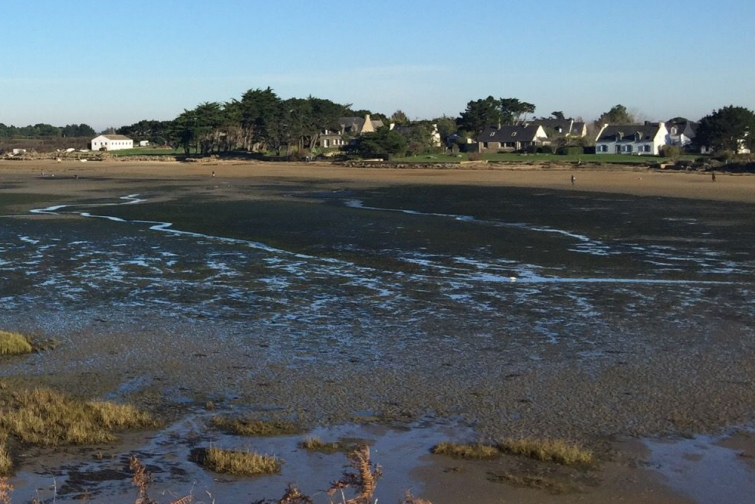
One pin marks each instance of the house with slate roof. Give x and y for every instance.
(681, 133)
(511, 138)
(350, 127)
(566, 127)
(641, 139)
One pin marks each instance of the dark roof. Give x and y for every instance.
(355, 124)
(628, 133)
(567, 126)
(509, 134)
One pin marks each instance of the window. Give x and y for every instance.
(492, 134)
(629, 148)
(513, 134)
(647, 148)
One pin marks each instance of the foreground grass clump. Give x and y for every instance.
(256, 428)
(466, 451)
(14, 344)
(537, 482)
(240, 463)
(315, 444)
(549, 450)
(48, 418)
(6, 464)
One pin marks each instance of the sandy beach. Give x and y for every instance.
(609, 179)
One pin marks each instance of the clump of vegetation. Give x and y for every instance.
(363, 481)
(548, 450)
(6, 463)
(240, 463)
(475, 451)
(315, 444)
(48, 418)
(14, 344)
(6, 490)
(550, 485)
(255, 428)
(142, 479)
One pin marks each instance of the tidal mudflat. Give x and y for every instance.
(487, 311)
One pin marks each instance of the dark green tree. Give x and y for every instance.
(617, 115)
(480, 114)
(514, 111)
(383, 143)
(727, 129)
(558, 115)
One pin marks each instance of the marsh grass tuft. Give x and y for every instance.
(14, 344)
(6, 463)
(255, 428)
(315, 444)
(48, 418)
(548, 450)
(240, 463)
(550, 485)
(475, 451)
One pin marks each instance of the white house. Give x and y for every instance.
(642, 139)
(681, 134)
(112, 142)
(511, 137)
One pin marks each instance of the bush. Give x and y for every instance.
(546, 149)
(474, 156)
(671, 151)
(572, 150)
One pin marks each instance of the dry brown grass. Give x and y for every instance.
(6, 490)
(475, 451)
(14, 344)
(240, 463)
(255, 428)
(6, 463)
(48, 418)
(549, 450)
(315, 444)
(363, 481)
(550, 485)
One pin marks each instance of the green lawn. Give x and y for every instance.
(147, 151)
(539, 158)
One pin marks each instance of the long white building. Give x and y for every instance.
(112, 142)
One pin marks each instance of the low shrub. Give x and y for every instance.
(14, 344)
(548, 450)
(240, 463)
(6, 463)
(572, 150)
(48, 418)
(316, 444)
(671, 151)
(466, 451)
(255, 428)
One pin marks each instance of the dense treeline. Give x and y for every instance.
(46, 131)
(259, 121)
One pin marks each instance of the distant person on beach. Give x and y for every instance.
(713, 176)
(213, 173)
(573, 179)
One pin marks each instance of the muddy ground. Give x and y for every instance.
(504, 302)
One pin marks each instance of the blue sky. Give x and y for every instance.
(113, 63)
